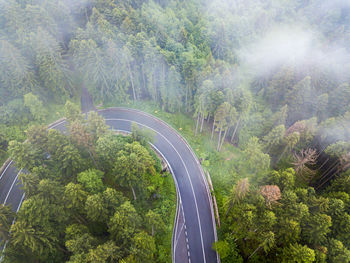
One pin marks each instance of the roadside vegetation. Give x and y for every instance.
(266, 211)
(91, 196)
(262, 99)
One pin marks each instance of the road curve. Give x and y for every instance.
(194, 200)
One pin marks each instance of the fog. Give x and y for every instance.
(283, 45)
(255, 37)
(294, 45)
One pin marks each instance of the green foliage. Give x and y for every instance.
(23, 154)
(16, 73)
(96, 125)
(72, 112)
(91, 180)
(107, 252)
(96, 209)
(131, 166)
(142, 135)
(298, 253)
(74, 197)
(6, 215)
(35, 107)
(155, 222)
(257, 161)
(338, 149)
(124, 222)
(274, 137)
(227, 250)
(316, 228)
(337, 252)
(185, 57)
(143, 247)
(76, 213)
(284, 179)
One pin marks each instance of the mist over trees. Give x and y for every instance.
(267, 76)
(186, 56)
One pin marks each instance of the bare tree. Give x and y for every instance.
(299, 126)
(238, 192)
(344, 162)
(306, 157)
(271, 193)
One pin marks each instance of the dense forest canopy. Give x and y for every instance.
(270, 77)
(187, 56)
(91, 196)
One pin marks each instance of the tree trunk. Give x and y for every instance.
(66, 252)
(228, 209)
(92, 158)
(212, 130)
(131, 80)
(201, 129)
(197, 123)
(219, 140)
(256, 250)
(155, 84)
(186, 98)
(323, 164)
(86, 15)
(235, 130)
(152, 230)
(269, 149)
(164, 76)
(79, 218)
(282, 154)
(133, 192)
(223, 139)
(143, 77)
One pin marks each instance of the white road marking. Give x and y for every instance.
(188, 175)
(195, 199)
(8, 194)
(21, 169)
(55, 125)
(13, 221)
(195, 157)
(13, 183)
(178, 194)
(188, 147)
(20, 203)
(176, 241)
(180, 200)
(19, 206)
(6, 169)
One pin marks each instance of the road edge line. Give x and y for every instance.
(193, 154)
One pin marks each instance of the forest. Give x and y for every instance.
(91, 196)
(260, 89)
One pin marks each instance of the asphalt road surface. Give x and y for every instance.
(194, 201)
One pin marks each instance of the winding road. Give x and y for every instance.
(194, 227)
